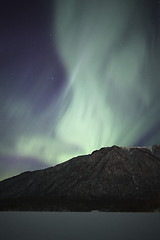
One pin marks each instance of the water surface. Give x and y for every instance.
(94, 225)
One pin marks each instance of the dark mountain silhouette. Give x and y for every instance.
(110, 179)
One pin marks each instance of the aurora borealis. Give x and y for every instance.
(76, 76)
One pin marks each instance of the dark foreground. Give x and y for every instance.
(80, 206)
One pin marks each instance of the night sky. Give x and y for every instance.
(76, 76)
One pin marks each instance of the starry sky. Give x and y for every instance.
(76, 76)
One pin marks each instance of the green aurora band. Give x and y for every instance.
(111, 95)
(112, 83)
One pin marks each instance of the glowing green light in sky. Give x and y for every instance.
(104, 72)
(110, 90)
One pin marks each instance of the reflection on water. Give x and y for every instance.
(94, 225)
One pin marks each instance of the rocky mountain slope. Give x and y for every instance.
(110, 179)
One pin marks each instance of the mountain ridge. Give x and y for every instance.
(111, 177)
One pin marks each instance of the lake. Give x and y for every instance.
(73, 225)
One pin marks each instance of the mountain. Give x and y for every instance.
(110, 179)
